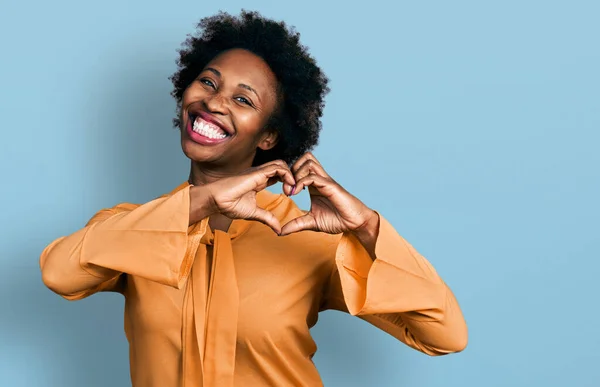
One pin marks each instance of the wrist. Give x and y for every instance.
(367, 232)
(202, 204)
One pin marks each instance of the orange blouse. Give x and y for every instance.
(234, 308)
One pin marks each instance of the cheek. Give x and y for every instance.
(191, 94)
(186, 93)
(250, 122)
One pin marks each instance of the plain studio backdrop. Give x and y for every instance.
(472, 126)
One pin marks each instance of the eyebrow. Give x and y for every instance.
(242, 85)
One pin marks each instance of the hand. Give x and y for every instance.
(235, 197)
(333, 210)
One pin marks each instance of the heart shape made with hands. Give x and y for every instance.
(333, 210)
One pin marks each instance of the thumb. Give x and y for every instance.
(266, 217)
(306, 222)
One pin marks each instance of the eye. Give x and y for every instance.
(243, 100)
(207, 82)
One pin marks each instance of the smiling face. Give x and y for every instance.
(225, 110)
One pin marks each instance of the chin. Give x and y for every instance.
(197, 152)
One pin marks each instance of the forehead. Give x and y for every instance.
(238, 65)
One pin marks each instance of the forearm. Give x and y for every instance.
(386, 281)
(447, 333)
(149, 241)
(62, 271)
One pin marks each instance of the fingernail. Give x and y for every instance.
(293, 190)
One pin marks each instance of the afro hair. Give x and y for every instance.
(302, 84)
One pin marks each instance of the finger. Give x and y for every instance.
(288, 186)
(267, 218)
(275, 163)
(259, 179)
(306, 222)
(274, 173)
(278, 177)
(267, 167)
(309, 166)
(318, 182)
(305, 157)
(270, 163)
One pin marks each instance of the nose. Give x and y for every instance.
(215, 103)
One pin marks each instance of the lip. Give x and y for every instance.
(202, 140)
(210, 118)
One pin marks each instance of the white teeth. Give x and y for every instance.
(207, 130)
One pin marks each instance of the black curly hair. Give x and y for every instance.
(302, 84)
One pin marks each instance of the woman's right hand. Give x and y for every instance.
(235, 196)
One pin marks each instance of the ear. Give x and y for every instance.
(268, 139)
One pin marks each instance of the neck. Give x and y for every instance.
(201, 174)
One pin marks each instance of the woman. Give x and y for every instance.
(222, 278)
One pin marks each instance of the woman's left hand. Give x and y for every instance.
(333, 209)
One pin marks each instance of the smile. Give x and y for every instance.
(205, 130)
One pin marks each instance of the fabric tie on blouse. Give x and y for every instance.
(210, 320)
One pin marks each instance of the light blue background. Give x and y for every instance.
(472, 126)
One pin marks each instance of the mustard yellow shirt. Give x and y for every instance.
(234, 308)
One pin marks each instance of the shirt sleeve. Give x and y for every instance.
(148, 240)
(399, 292)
